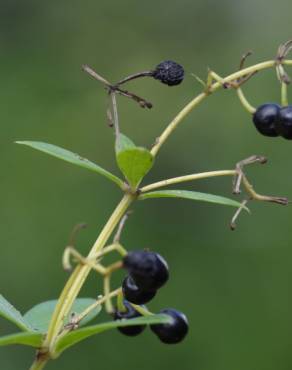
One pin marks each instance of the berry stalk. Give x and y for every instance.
(78, 277)
(186, 178)
(209, 90)
(81, 272)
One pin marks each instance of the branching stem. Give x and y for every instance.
(81, 271)
(186, 178)
(79, 275)
(199, 98)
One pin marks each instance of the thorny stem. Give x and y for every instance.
(199, 98)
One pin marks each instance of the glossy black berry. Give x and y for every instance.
(148, 269)
(134, 294)
(284, 123)
(169, 73)
(130, 313)
(265, 119)
(174, 332)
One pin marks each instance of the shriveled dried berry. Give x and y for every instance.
(169, 73)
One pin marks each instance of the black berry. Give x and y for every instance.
(284, 123)
(175, 331)
(265, 119)
(130, 313)
(148, 269)
(134, 294)
(169, 73)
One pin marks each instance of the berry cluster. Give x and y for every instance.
(147, 272)
(272, 120)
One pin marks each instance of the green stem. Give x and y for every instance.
(78, 277)
(39, 363)
(142, 310)
(196, 176)
(284, 94)
(112, 294)
(244, 101)
(198, 99)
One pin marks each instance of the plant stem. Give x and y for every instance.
(196, 176)
(142, 310)
(134, 76)
(244, 101)
(39, 363)
(112, 294)
(78, 277)
(284, 94)
(199, 98)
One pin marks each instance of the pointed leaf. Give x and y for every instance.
(123, 143)
(135, 164)
(33, 339)
(10, 313)
(81, 334)
(40, 315)
(71, 157)
(193, 195)
(133, 161)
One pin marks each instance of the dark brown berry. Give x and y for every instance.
(169, 73)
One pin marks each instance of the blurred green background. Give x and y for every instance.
(235, 287)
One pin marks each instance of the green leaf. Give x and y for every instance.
(71, 157)
(10, 313)
(81, 334)
(123, 143)
(40, 315)
(193, 195)
(27, 338)
(134, 162)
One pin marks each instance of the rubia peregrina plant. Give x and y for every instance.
(54, 326)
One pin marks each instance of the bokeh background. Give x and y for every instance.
(235, 287)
